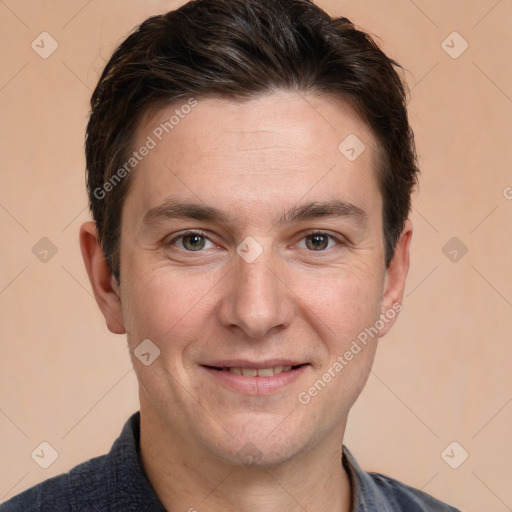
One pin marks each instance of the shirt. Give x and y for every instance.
(116, 482)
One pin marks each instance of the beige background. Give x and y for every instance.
(442, 374)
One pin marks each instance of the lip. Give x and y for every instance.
(255, 386)
(256, 365)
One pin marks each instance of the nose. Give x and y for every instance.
(257, 297)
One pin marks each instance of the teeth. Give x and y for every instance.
(261, 372)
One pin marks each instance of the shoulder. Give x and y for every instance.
(372, 492)
(112, 482)
(404, 497)
(59, 493)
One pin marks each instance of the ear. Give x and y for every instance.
(394, 282)
(102, 281)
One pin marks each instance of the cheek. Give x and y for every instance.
(168, 308)
(341, 302)
(343, 308)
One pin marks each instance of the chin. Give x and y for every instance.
(257, 445)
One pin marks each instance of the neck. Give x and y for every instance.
(189, 478)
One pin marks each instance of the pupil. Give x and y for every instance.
(195, 241)
(318, 241)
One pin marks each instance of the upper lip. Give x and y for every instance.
(245, 363)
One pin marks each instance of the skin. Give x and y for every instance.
(254, 160)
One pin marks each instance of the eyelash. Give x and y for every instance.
(310, 233)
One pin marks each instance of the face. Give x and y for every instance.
(252, 258)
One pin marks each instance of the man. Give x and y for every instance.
(250, 166)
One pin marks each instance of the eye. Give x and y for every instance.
(195, 241)
(319, 240)
(191, 241)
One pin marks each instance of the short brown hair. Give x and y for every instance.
(237, 49)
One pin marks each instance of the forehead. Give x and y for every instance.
(272, 149)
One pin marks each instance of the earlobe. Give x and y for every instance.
(395, 279)
(102, 281)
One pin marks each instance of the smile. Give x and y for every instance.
(255, 379)
(256, 372)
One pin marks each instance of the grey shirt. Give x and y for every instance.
(116, 482)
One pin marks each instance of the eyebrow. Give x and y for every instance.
(174, 209)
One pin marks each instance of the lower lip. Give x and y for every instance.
(256, 385)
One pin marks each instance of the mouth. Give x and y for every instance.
(256, 372)
(255, 379)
